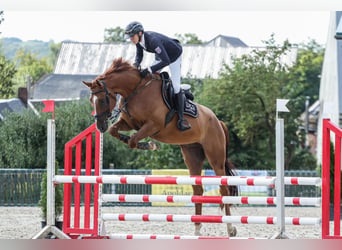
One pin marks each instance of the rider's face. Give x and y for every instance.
(135, 38)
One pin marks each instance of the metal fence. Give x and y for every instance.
(21, 187)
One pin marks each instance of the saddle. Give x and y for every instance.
(168, 95)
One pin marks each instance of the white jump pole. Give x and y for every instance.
(279, 183)
(101, 229)
(50, 172)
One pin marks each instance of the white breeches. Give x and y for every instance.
(175, 73)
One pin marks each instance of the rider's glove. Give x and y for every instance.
(144, 72)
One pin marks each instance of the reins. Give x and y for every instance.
(135, 92)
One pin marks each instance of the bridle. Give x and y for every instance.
(106, 113)
(136, 91)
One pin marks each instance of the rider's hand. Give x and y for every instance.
(144, 72)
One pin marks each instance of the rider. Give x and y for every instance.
(168, 52)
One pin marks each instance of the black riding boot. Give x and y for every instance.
(182, 123)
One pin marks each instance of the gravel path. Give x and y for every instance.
(24, 222)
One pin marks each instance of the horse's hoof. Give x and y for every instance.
(198, 233)
(153, 146)
(232, 232)
(198, 230)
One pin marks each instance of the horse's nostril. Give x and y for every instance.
(102, 126)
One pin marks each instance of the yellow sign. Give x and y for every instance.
(163, 189)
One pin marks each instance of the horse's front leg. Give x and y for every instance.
(145, 131)
(120, 125)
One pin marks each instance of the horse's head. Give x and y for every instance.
(120, 78)
(103, 102)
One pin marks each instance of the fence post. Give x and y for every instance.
(50, 172)
(279, 184)
(325, 179)
(50, 169)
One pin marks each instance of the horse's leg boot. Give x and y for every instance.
(182, 123)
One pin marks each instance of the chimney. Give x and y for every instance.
(22, 95)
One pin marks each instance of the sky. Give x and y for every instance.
(251, 26)
(253, 21)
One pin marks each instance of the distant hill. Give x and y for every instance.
(9, 46)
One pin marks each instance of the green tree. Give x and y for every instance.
(245, 96)
(251, 86)
(7, 73)
(188, 38)
(29, 65)
(308, 68)
(23, 141)
(23, 137)
(112, 35)
(55, 48)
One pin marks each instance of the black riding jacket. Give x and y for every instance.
(167, 50)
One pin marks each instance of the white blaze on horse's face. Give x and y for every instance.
(94, 98)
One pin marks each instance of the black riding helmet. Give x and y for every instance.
(133, 28)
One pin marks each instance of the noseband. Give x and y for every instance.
(107, 112)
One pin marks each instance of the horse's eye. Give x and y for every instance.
(102, 102)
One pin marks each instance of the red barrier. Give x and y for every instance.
(327, 128)
(76, 143)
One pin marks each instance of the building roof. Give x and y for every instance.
(61, 86)
(10, 105)
(198, 61)
(226, 41)
(78, 61)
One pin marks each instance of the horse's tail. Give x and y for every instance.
(229, 166)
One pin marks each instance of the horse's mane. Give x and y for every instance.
(118, 65)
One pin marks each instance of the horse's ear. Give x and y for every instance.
(88, 84)
(99, 83)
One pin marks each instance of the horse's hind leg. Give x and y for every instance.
(194, 157)
(217, 157)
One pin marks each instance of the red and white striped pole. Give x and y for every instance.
(292, 201)
(210, 219)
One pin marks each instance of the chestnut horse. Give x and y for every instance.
(143, 110)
